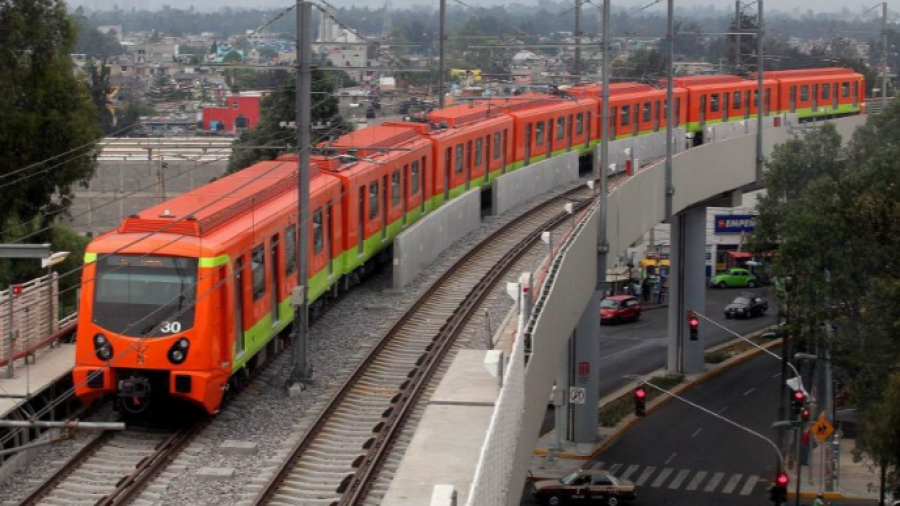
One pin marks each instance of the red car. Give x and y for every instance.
(620, 308)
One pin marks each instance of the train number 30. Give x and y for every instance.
(171, 327)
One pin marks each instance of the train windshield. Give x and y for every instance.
(151, 296)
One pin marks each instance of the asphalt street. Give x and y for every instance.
(640, 347)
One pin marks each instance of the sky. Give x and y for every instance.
(206, 5)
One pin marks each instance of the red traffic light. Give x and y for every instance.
(805, 414)
(782, 479)
(640, 393)
(798, 395)
(692, 319)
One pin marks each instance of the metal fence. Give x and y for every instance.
(33, 319)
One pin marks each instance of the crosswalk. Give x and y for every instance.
(688, 479)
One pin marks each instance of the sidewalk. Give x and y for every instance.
(855, 480)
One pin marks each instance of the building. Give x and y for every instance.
(240, 113)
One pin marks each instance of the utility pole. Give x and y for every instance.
(442, 39)
(884, 52)
(577, 67)
(671, 110)
(300, 295)
(760, 99)
(737, 37)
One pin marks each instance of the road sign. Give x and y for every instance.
(822, 429)
(577, 395)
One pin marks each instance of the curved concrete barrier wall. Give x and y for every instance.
(416, 248)
(512, 189)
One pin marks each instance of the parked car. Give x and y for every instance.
(746, 305)
(734, 278)
(588, 486)
(620, 308)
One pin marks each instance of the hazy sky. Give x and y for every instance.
(782, 5)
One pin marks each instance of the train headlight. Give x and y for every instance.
(102, 347)
(178, 352)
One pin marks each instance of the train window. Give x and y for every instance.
(579, 124)
(560, 128)
(804, 93)
(479, 146)
(415, 178)
(539, 133)
(626, 115)
(648, 111)
(373, 200)
(496, 146)
(714, 102)
(395, 188)
(259, 271)
(458, 167)
(290, 249)
(826, 91)
(845, 89)
(318, 232)
(737, 101)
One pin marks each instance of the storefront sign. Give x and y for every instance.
(734, 223)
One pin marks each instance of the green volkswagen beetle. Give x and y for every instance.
(734, 278)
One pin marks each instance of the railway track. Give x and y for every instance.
(113, 467)
(340, 456)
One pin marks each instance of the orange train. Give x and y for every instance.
(184, 298)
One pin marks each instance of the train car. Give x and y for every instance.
(386, 172)
(717, 99)
(634, 108)
(543, 124)
(186, 295)
(813, 93)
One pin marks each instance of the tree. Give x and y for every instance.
(748, 44)
(642, 64)
(280, 107)
(47, 114)
(92, 42)
(100, 89)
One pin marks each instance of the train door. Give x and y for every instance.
(834, 96)
(815, 97)
(571, 130)
(361, 222)
(329, 235)
(613, 121)
(586, 129)
(468, 163)
(274, 285)
(856, 94)
(793, 94)
(503, 153)
(702, 110)
(746, 104)
(656, 117)
(488, 161)
(423, 168)
(550, 136)
(239, 306)
(726, 105)
(636, 126)
(448, 163)
(405, 193)
(527, 143)
(384, 206)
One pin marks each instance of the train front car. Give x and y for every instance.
(148, 325)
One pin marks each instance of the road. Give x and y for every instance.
(681, 456)
(640, 347)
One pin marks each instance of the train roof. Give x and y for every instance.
(691, 81)
(389, 135)
(463, 114)
(200, 212)
(777, 74)
(596, 90)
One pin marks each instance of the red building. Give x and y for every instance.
(241, 112)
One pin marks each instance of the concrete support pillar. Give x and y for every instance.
(579, 379)
(687, 289)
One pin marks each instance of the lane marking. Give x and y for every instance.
(640, 326)
(748, 392)
(714, 482)
(670, 459)
(679, 479)
(698, 478)
(697, 432)
(748, 487)
(645, 475)
(732, 483)
(628, 472)
(615, 468)
(662, 477)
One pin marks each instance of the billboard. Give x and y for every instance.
(734, 223)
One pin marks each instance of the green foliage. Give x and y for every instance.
(280, 107)
(93, 43)
(834, 216)
(46, 112)
(642, 64)
(98, 81)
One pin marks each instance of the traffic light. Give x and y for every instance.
(805, 414)
(694, 324)
(778, 490)
(640, 401)
(797, 401)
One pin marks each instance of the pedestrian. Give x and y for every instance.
(645, 288)
(819, 500)
(637, 290)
